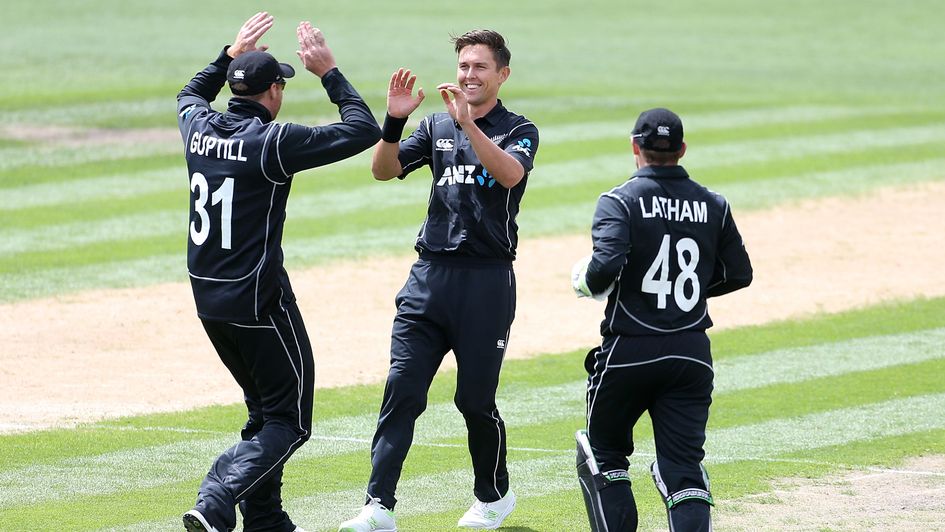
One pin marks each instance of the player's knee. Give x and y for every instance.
(473, 405)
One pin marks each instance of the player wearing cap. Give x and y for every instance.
(241, 164)
(662, 244)
(460, 294)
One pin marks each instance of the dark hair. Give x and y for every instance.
(661, 158)
(490, 38)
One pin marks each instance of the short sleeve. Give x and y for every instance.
(415, 150)
(522, 143)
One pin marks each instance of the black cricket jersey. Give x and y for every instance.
(469, 214)
(240, 165)
(668, 243)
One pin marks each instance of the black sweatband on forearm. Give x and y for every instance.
(393, 128)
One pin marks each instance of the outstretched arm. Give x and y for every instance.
(207, 83)
(302, 147)
(400, 103)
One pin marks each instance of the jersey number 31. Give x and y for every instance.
(224, 194)
(656, 281)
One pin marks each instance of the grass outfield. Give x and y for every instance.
(800, 398)
(781, 102)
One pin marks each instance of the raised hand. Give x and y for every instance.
(457, 107)
(400, 99)
(315, 54)
(249, 34)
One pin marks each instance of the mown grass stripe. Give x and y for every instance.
(536, 477)
(319, 206)
(520, 405)
(834, 427)
(799, 364)
(703, 124)
(114, 187)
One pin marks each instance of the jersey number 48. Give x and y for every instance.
(656, 280)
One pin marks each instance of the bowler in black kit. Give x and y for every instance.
(460, 294)
(663, 244)
(240, 166)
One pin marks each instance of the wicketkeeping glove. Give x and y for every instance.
(579, 281)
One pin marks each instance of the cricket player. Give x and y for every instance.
(460, 294)
(663, 244)
(241, 164)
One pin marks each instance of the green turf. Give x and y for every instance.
(780, 102)
(142, 472)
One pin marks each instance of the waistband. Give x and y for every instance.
(465, 261)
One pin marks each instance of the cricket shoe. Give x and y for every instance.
(488, 515)
(194, 521)
(374, 517)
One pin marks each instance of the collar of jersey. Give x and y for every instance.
(248, 109)
(662, 172)
(492, 117)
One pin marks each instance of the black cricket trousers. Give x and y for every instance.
(670, 376)
(272, 361)
(467, 305)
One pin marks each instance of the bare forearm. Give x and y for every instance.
(500, 165)
(386, 165)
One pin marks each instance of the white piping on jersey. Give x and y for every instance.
(423, 226)
(705, 311)
(262, 155)
(619, 288)
(410, 164)
(272, 198)
(722, 262)
(243, 278)
(618, 198)
(256, 269)
(621, 185)
(518, 126)
(660, 359)
(422, 158)
(508, 218)
(278, 153)
(724, 275)
(508, 196)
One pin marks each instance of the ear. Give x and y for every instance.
(636, 148)
(504, 73)
(682, 151)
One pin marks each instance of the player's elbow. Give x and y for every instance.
(382, 173)
(511, 178)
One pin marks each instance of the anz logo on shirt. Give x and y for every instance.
(462, 174)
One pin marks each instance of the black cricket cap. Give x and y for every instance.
(658, 130)
(253, 72)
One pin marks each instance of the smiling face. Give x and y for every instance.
(479, 76)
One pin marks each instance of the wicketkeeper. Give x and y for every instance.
(662, 245)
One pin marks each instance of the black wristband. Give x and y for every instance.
(393, 128)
